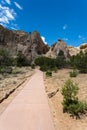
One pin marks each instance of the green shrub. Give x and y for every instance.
(77, 108)
(70, 90)
(61, 53)
(4, 69)
(55, 69)
(80, 62)
(22, 60)
(43, 68)
(5, 58)
(70, 103)
(73, 73)
(50, 62)
(46, 63)
(48, 73)
(33, 66)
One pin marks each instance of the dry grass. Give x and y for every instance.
(63, 121)
(8, 82)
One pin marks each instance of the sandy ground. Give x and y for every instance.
(12, 81)
(63, 121)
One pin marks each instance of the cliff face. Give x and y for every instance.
(6, 36)
(31, 45)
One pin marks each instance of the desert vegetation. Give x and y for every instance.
(52, 64)
(73, 73)
(21, 60)
(77, 62)
(48, 73)
(80, 62)
(7, 62)
(9, 82)
(71, 103)
(64, 114)
(13, 71)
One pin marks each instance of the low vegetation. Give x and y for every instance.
(46, 63)
(71, 103)
(21, 60)
(73, 73)
(48, 73)
(33, 66)
(6, 60)
(5, 69)
(80, 62)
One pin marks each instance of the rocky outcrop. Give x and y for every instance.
(38, 43)
(30, 44)
(6, 36)
(68, 50)
(56, 48)
(76, 50)
(83, 47)
(73, 50)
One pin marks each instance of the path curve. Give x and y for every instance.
(29, 110)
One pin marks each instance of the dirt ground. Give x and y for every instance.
(63, 121)
(9, 82)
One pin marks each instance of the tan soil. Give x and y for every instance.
(63, 121)
(13, 81)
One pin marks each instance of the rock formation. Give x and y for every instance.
(31, 45)
(56, 48)
(83, 47)
(76, 50)
(73, 50)
(68, 50)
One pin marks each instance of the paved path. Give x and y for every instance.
(29, 110)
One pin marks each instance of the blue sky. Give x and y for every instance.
(54, 19)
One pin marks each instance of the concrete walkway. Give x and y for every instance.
(29, 110)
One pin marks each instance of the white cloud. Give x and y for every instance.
(4, 20)
(18, 6)
(44, 39)
(9, 14)
(65, 27)
(8, 2)
(6, 15)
